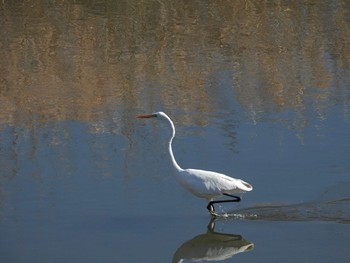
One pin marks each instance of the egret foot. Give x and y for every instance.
(211, 210)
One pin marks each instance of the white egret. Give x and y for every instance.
(201, 183)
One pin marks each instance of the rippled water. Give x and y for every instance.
(257, 90)
(333, 206)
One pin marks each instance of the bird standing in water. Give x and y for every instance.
(201, 183)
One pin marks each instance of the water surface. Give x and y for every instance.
(257, 90)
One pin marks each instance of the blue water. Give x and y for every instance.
(80, 196)
(256, 91)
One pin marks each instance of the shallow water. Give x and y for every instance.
(259, 91)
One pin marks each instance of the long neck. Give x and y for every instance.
(176, 166)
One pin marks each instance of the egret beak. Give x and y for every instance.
(146, 116)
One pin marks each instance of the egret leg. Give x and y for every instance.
(211, 208)
(236, 198)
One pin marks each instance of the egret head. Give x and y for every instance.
(154, 115)
(160, 116)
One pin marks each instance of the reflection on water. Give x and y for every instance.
(241, 79)
(212, 246)
(85, 60)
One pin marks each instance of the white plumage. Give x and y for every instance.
(201, 183)
(208, 184)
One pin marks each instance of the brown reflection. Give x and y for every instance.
(68, 60)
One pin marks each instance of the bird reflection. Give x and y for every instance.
(212, 246)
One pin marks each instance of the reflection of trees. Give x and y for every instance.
(71, 60)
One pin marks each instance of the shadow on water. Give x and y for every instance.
(333, 205)
(212, 246)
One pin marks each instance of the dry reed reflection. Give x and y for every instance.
(82, 61)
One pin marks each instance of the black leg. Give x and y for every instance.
(237, 198)
(211, 208)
